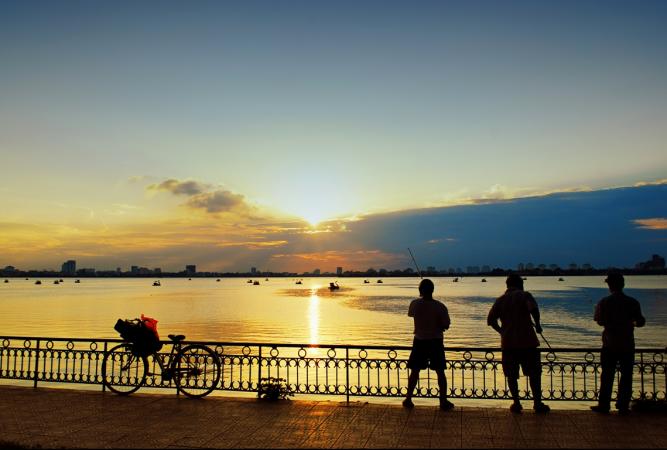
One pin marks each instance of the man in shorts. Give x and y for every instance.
(518, 340)
(619, 314)
(431, 319)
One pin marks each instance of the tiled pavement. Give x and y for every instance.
(56, 418)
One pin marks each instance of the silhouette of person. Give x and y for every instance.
(619, 314)
(431, 319)
(518, 340)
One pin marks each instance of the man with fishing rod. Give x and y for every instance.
(518, 340)
(431, 319)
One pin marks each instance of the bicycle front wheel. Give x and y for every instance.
(196, 370)
(123, 371)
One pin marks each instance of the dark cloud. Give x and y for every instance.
(218, 201)
(179, 187)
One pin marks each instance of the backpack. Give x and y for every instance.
(141, 333)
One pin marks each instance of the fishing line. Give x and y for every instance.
(416, 265)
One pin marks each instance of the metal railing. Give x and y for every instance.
(343, 370)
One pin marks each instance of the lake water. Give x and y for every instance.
(280, 311)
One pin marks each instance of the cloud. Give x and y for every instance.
(218, 201)
(651, 183)
(179, 187)
(656, 223)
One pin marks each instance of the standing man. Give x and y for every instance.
(518, 340)
(428, 350)
(619, 315)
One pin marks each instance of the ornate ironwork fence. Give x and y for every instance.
(351, 371)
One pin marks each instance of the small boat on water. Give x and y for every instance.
(56, 282)
(456, 280)
(560, 279)
(255, 283)
(6, 281)
(266, 279)
(483, 280)
(218, 280)
(298, 282)
(249, 281)
(380, 281)
(78, 281)
(366, 281)
(333, 286)
(157, 283)
(61, 280)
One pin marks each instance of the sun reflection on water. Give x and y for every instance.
(314, 318)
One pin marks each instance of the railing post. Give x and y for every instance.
(347, 375)
(36, 375)
(259, 372)
(104, 388)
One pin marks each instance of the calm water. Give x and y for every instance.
(280, 311)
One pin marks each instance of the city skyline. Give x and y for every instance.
(313, 135)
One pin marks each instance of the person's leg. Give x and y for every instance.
(442, 384)
(626, 360)
(608, 364)
(511, 369)
(412, 383)
(533, 369)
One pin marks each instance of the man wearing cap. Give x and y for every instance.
(619, 314)
(518, 340)
(431, 319)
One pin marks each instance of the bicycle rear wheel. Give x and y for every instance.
(196, 370)
(123, 371)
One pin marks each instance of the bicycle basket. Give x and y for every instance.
(143, 339)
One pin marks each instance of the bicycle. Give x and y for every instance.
(194, 368)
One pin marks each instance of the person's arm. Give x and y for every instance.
(411, 309)
(597, 316)
(446, 321)
(535, 312)
(492, 319)
(639, 320)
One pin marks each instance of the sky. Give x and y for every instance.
(302, 135)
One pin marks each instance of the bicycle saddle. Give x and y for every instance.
(176, 337)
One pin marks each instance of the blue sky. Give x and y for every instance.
(312, 111)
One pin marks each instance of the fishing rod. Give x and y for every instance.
(546, 342)
(416, 265)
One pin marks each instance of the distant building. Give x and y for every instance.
(339, 271)
(9, 269)
(542, 266)
(118, 270)
(157, 270)
(472, 269)
(520, 267)
(553, 266)
(486, 269)
(573, 266)
(253, 270)
(656, 262)
(191, 269)
(134, 270)
(587, 266)
(69, 267)
(86, 271)
(316, 272)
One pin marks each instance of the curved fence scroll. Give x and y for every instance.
(343, 370)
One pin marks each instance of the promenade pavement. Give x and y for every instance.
(66, 418)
